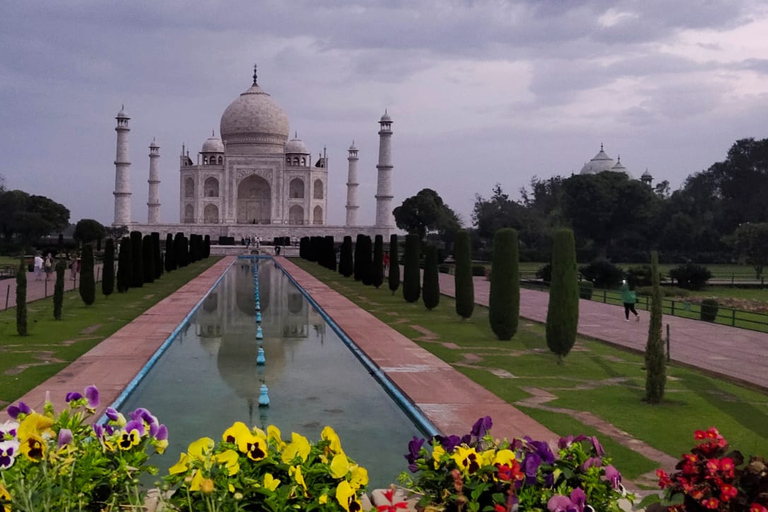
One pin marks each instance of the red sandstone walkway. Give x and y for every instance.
(736, 353)
(450, 400)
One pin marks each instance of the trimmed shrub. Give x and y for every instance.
(411, 273)
(108, 272)
(304, 248)
(504, 298)
(709, 309)
(21, 299)
(178, 250)
(586, 289)
(87, 279)
(366, 257)
(124, 260)
(655, 360)
(330, 252)
(431, 284)
(137, 263)
(563, 310)
(545, 273)
(690, 276)
(157, 257)
(602, 273)
(358, 263)
(478, 270)
(148, 259)
(58, 288)
(207, 246)
(394, 265)
(170, 261)
(346, 265)
(377, 269)
(464, 284)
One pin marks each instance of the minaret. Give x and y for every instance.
(122, 191)
(352, 184)
(153, 199)
(384, 217)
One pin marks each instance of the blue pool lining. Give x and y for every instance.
(160, 351)
(410, 409)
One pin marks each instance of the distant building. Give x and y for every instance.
(602, 162)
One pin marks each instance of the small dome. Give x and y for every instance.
(213, 144)
(620, 168)
(601, 162)
(646, 174)
(153, 144)
(122, 114)
(385, 118)
(352, 147)
(296, 145)
(254, 117)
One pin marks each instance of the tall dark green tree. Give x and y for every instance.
(465, 286)
(346, 266)
(124, 262)
(655, 362)
(148, 258)
(207, 246)
(430, 292)
(170, 261)
(358, 263)
(394, 265)
(330, 253)
(563, 310)
(378, 261)
(504, 298)
(411, 272)
(158, 262)
(87, 278)
(137, 263)
(21, 298)
(179, 249)
(366, 255)
(108, 272)
(58, 289)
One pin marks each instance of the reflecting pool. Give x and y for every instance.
(208, 377)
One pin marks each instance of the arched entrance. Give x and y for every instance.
(254, 201)
(211, 214)
(317, 215)
(296, 215)
(189, 214)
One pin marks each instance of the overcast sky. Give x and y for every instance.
(480, 92)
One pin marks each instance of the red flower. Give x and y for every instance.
(728, 492)
(499, 508)
(727, 467)
(712, 433)
(713, 465)
(699, 434)
(663, 477)
(756, 507)
(711, 503)
(392, 507)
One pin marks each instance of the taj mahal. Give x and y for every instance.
(253, 180)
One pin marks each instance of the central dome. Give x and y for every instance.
(254, 117)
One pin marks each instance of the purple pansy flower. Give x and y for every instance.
(98, 430)
(592, 462)
(449, 443)
(579, 498)
(542, 450)
(560, 503)
(65, 437)
(549, 480)
(143, 414)
(481, 426)
(414, 447)
(530, 467)
(72, 396)
(612, 474)
(136, 425)
(112, 414)
(92, 394)
(162, 433)
(8, 429)
(8, 451)
(598, 448)
(21, 408)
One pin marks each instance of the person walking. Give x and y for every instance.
(38, 267)
(629, 298)
(48, 266)
(385, 260)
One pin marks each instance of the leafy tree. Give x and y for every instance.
(504, 297)
(87, 279)
(28, 217)
(21, 298)
(465, 287)
(124, 262)
(751, 242)
(170, 260)
(431, 287)
(411, 272)
(89, 230)
(497, 212)
(377, 269)
(58, 289)
(148, 259)
(563, 310)
(426, 212)
(394, 265)
(108, 273)
(655, 362)
(137, 260)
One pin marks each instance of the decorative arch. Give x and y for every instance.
(254, 201)
(317, 215)
(211, 187)
(296, 214)
(189, 214)
(319, 193)
(211, 214)
(221, 160)
(205, 160)
(189, 187)
(296, 189)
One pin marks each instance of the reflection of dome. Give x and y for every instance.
(213, 144)
(244, 292)
(254, 117)
(601, 162)
(296, 145)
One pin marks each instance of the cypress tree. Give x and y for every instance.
(411, 273)
(431, 287)
(148, 259)
(394, 265)
(178, 250)
(184, 250)
(58, 289)
(330, 252)
(563, 310)
(504, 297)
(345, 257)
(358, 263)
(465, 286)
(304, 248)
(124, 261)
(87, 279)
(21, 298)
(169, 253)
(378, 261)
(207, 246)
(366, 254)
(158, 263)
(137, 267)
(655, 361)
(108, 272)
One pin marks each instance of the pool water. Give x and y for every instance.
(208, 377)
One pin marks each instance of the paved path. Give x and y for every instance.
(42, 289)
(739, 354)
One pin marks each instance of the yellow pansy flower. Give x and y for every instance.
(128, 440)
(235, 432)
(299, 446)
(160, 446)
(197, 479)
(270, 482)
(467, 459)
(181, 466)
(34, 425)
(328, 434)
(295, 472)
(346, 497)
(5, 495)
(33, 447)
(359, 477)
(504, 457)
(201, 448)
(254, 447)
(339, 466)
(229, 459)
(323, 499)
(437, 454)
(273, 435)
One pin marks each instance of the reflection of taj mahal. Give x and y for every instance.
(254, 180)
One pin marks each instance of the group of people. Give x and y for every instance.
(248, 241)
(46, 265)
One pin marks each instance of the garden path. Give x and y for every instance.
(37, 290)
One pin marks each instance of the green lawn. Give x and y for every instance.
(51, 345)
(605, 381)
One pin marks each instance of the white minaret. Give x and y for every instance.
(153, 199)
(384, 217)
(122, 191)
(352, 184)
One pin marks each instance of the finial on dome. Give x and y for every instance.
(601, 146)
(255, 75)
(296, 134)
(618, 159)
(213, 133)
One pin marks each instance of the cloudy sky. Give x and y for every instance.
(480, 91)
